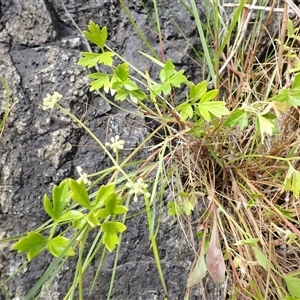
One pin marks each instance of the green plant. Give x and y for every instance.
(238, 159)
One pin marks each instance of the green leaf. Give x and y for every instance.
(287, 213)
(112, 207)
(110, 237)
(247, 242)
(296, 183)
(188, 207)
(127, 85)
(106, 58)
(288, 179)
(34, 242)
(71, 215)
(296, 82)
(198, 91)
(57, 245)
(169, 77)
(89, 59)
(177, 79)
(166, 88)
(48, 207)
(128, 88)
(167, 71)
(186, 110)
(293, 285)
(121, 95)
(174, 209)
(216, 108)
(79, 193)
(290, 28)
(265, 126)
(198, 272)
(282, 95)
(96, 35)
(137, 95)
(210, 96)
(60, 195)
(92, 219)
(100, 80)
(156, 90)
(238, 116)
(122, 72)
(104, 192)
(183, 194)
(294, 98)
(261, 258)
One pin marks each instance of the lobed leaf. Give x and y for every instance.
(265, 126)
(174, 209)
(34, 242)
(110, 237)
(60, 199)
(238, 116)
(92, 219)
(89, 59)
(96, 35)
(186, 110)
(216, 108)
(57, 246)
(79, 193)
(198, 91)
(100, 80)
(167, 71)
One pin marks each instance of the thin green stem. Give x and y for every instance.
(287, 159)
(7, 104)
(154, 246)
(95, 138)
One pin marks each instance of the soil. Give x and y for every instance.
(39, 51)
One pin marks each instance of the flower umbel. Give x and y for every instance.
(50, 100)
(83, 176)
(138, 188)
(116, 144)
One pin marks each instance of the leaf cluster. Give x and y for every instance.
(61, 209)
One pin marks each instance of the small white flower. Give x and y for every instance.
(116, 144)
(244, 104)
(50, 100)
(83, 176)
(138, 188)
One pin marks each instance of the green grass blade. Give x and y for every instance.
(7, 104)
(203, 42)
(52, 268)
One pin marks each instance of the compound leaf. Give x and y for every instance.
(96, 35)
(110, 237)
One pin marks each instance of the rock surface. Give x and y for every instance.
(39, 50)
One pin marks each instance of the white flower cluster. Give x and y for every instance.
(116, 144)
(138, 188)
(50, 100)
(83, 176)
